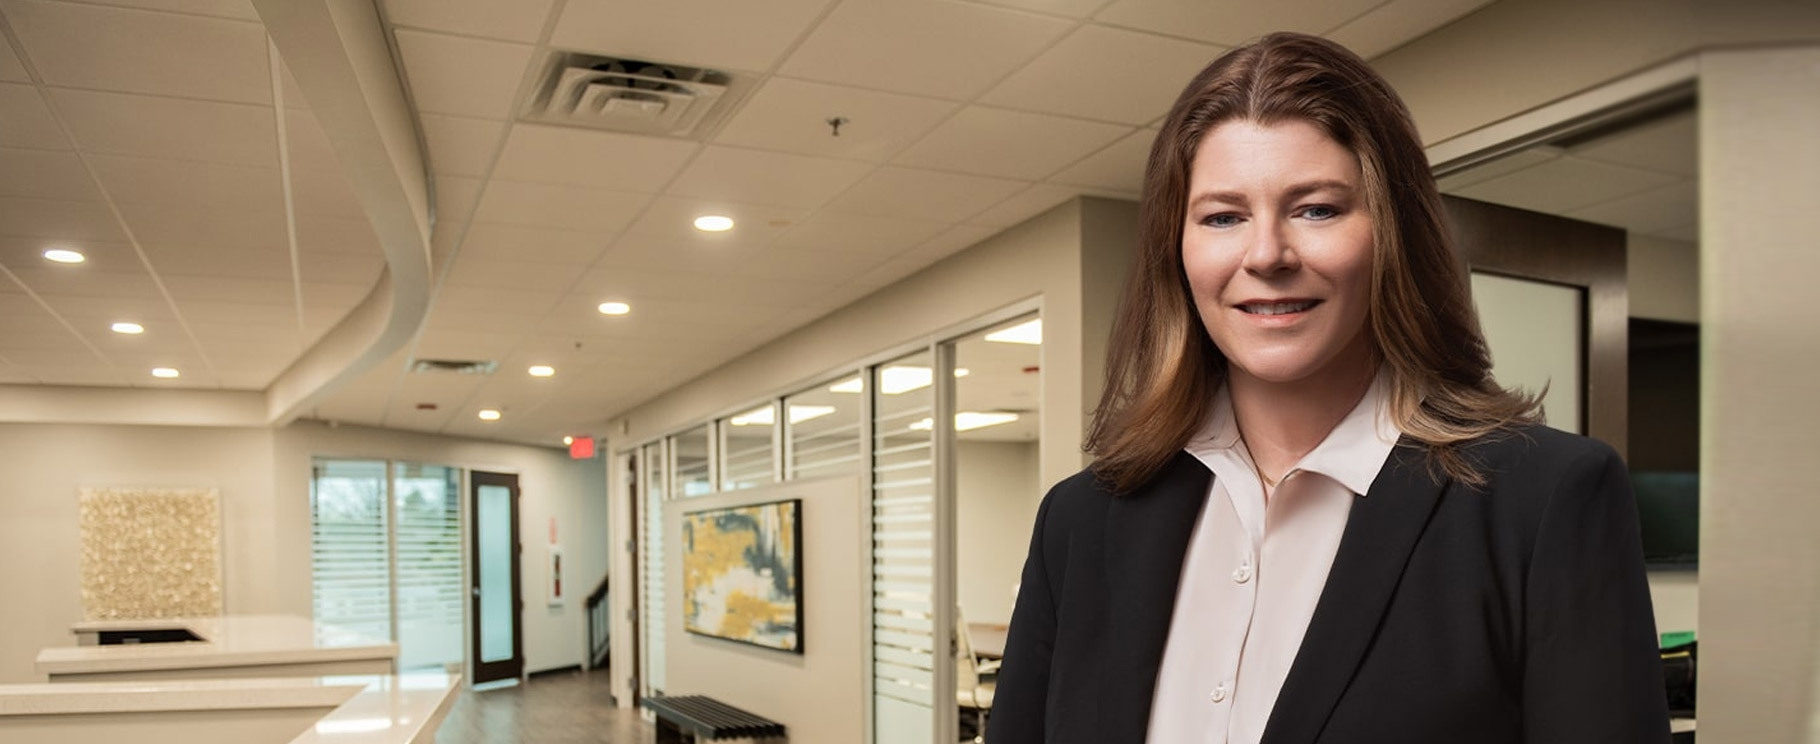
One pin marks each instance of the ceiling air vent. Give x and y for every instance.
(456, 366)
(627, 95)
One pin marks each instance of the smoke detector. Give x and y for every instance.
(634, 96)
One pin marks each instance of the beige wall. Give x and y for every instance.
(263, 476)
(1664, 279)
(996, 496)
(819, 695)
(1760, 557)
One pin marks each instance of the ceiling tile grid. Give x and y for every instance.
(11, 69)
(519, 20)
(1009, 144)
(538, 153)
(169, 128)
(931, 48)
(737, 36)
(800, 116)
(106, 48)
(760, 177)
(45, 174)
(1107, 74)
(1232, 22)
(25, 120)
(462, 76)
(558, 207)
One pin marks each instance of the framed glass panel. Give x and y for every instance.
(748, 448)
(692, 462)
(903, 550)
(823, 430)
(652, 486)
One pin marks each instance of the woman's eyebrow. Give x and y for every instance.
(1296, 191)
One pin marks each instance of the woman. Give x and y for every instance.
(1313, 516)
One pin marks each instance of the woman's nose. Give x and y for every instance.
(1270, 250)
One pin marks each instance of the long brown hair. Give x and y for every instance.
(1162, 368)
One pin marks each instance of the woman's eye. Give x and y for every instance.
(1320, 212)
(1220, 220)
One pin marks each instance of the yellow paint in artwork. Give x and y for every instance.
(714, 552)
(745, 612)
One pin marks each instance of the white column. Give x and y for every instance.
(1760, 395)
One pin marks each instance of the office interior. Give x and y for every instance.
(352, 229)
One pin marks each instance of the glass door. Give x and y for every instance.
(497, 594)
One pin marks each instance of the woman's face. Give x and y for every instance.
(1277, 245)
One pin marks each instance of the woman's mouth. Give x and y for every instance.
(1277, 308)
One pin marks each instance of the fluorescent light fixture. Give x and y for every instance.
(488, 414)
(962, 371)
(63, 256)
(768, 415)
(167, 373)
(899, 380)
(969, 420)
(566, 441)
(849, 385)
(127, 328)
(542, 370)
(614, 308)
(1027, 332)
(714, 223)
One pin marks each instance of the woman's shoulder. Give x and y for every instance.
(1534, 444)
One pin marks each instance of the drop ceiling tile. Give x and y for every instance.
(673, 218)
(490, 240)
(460, 146)
(277, 316)
(1453, 183)
(1070, 8)
(11, 69)
(792, 116)
(923, 256)
(1651, 212)
(270, 262)
(441, 342)
(759, 177)
(228, 188)
(321, 234)
(520, 20)
(93, 373)
(1008, 144)
(26, 122)
(184, 288)
(1118, 168)
(454, 199)
(64, 357)
(1231, 22)
(697, 33)
(860, 233)
(238, 9)
(175, 128)
(28, 253)
(205, 231)
(1107, 74)
(105, 286)
(1396, 23)
(45, 174)
(1037, 199)
(103, 48)
(639, 287)
(511, 274)
(648, 252)
(591, 158)
(38, 331)
(1565, 184)
(523, 302)
(924, 195)
(341, 297)
(496, 320)
(1670, 145)
(287, 84)
(559, 207)
(339, 268)
(65, 220)
(319, 185)
(461, 76)
(809, 265)
(922, 47)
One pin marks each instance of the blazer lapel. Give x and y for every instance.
(1147, 534)
(1380, 533)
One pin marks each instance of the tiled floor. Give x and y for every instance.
(553, 708)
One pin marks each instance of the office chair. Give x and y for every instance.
(970, 691)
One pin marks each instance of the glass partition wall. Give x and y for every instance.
(897, 424)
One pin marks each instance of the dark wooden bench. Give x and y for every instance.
(691, 718)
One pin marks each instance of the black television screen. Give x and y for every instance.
(1664, 451)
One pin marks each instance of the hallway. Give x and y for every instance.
(564, 707)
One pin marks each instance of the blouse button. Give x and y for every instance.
(1241, 574)
(1219, 694)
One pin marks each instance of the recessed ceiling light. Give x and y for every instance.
(714, 223)
(129, 328)
(566, 441)
(165, 372)
(614, 308)
(542, 370)
(62, 256)
(488, 414)
(1027, 332)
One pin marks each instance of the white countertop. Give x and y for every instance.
(368, 709)
(233, 640)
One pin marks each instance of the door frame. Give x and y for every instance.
(512, 668)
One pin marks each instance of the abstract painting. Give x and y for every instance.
(742, 574)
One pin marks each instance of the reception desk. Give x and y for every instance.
(347, 709)
(234, 646)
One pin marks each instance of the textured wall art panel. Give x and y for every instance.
(151, 552)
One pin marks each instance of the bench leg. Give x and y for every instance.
(670, 733)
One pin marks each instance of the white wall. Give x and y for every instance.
(263, 476)
(997, 495)
(819, 694)
(40, 545)
(1664, 278)
(1759, 554)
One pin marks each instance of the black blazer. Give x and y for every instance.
(1515, 612)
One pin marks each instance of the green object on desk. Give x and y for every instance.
(1677, 638)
